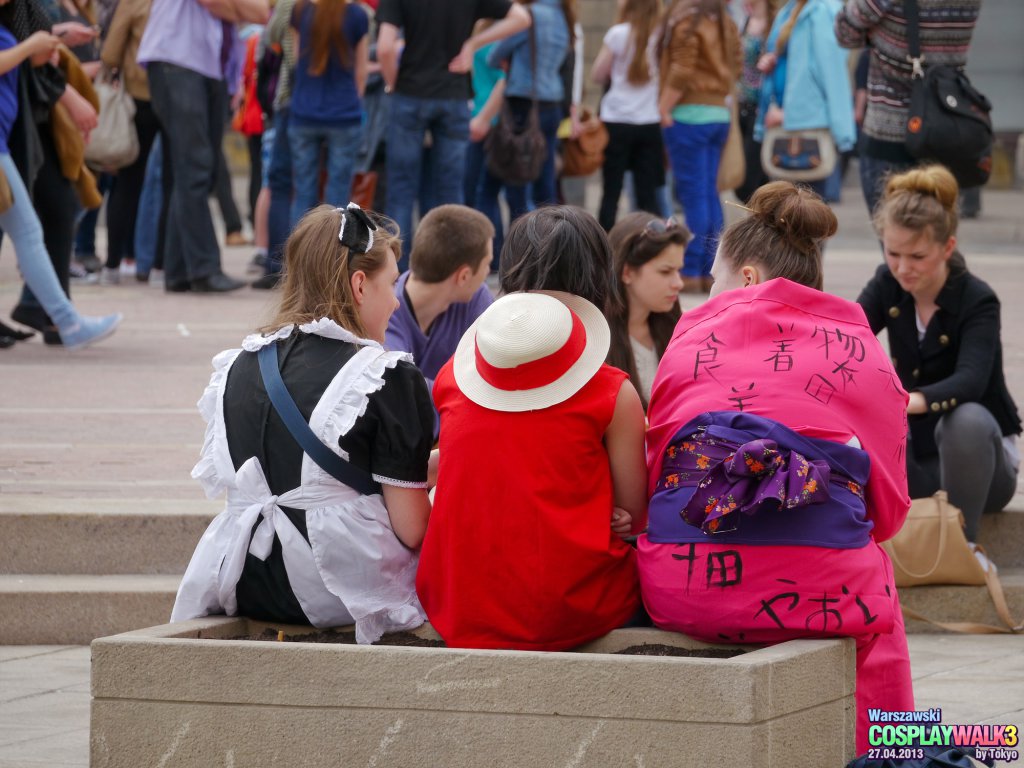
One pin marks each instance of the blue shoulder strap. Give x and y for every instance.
(328, 460)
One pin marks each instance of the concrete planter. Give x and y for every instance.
(176, 696)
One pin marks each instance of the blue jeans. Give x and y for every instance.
(341, 143)
(695, 151)
(410, 118)
(190, 108)
(279, 180)
(542, 191)
(22, 225)
(482, 190)
(873, 172)
(147, 218)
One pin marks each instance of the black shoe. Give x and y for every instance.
(177, 286)
(218, 282)
(52, 337)
(11, 333)
(268, 281)
(33, 317)
(7, 342)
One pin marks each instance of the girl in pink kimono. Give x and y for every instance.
(776, 458)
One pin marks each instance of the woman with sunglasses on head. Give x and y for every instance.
(774, 460)
(326, 497)
(648, 254)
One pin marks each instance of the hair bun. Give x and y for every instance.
(796, 213)
(931, 180)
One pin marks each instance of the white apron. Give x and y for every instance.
(354, 569)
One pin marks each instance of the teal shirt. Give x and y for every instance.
(485, 77)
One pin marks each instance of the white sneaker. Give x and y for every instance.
(156, 278)
(110, 276)
(127, 266)
(979, 553)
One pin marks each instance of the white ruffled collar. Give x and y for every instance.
(325, 327)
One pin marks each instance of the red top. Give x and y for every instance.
(519, 551)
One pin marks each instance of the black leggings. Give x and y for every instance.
(123, 204)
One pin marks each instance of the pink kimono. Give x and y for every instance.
(775, 466)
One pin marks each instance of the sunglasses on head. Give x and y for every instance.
(660, 227)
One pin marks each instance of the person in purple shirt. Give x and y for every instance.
(443, 293)
(186, 49)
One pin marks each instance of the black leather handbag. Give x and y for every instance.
(515, 149)
(948, 120)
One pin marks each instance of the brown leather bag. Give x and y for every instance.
(931, 548)
(585, 154)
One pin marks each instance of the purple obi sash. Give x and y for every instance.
(729, 477)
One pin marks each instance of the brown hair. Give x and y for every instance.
(559, 248)
(633, 245)
(643, 17)
(318, 267)
(787, 29)
(325, 33)
(447, 239)
(783, 235)
(919, 199)
(690, 11)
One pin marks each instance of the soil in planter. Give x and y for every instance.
(343, 638)
(658, 649)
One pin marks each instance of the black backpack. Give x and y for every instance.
(268, 73)
(948, 120)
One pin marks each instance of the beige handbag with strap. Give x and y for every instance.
(931, 548)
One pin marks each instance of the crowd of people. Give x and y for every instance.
(577, 454)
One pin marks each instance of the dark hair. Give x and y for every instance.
(783, 234)
(634, 243)
(559, 248)
(447, 239)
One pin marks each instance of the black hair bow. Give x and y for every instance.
(357, 229)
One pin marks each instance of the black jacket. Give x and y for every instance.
(960, 359)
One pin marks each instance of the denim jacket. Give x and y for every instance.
(552, 46)
(817, 92)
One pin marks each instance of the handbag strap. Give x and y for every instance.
(533, 56)
(914, 39)
(995, 590)
(330, 462)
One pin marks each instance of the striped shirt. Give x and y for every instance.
(945, 27)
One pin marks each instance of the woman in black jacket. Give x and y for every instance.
(943, 326)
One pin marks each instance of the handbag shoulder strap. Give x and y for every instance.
(330, 462)
(533, 54)
(995, 590)
(914, 38)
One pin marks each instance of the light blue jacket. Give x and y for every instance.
(552, 46)
(817, 91)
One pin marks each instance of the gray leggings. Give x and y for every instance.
(971, 465)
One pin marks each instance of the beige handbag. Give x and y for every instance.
(807, 155)
(931, 548)
(732, 168)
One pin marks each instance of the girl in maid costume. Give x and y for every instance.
(321, 439)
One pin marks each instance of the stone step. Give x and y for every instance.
(974, 604)
(75, 610)
(100, 536)
(1002, 535)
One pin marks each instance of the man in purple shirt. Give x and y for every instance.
(443, 293)
(186, 49)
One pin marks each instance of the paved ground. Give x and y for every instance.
(75, 426)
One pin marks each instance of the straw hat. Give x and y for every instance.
(530, 351)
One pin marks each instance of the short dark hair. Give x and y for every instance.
(447, 239)
(558, 248)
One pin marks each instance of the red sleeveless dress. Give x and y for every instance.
(519, 551)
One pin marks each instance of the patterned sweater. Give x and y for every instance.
(946, 27)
